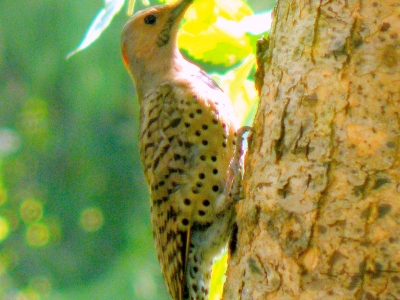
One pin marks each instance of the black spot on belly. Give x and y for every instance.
(175, 122)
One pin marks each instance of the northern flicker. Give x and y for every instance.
(187, 146)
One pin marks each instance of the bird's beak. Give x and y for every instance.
(180, 8)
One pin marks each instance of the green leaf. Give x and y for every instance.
(99, 24)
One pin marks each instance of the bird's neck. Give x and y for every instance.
(150, 74)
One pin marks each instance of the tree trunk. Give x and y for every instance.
(321, 218)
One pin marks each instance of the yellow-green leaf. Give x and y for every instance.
(218, 277)
(212, 31)
(240, 89)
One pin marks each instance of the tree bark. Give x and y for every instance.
(321, 217)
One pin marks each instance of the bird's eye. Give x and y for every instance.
(150, 19)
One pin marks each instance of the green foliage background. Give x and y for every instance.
(74, 210)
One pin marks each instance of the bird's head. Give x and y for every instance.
(148, 41)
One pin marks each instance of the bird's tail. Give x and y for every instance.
(198, 275)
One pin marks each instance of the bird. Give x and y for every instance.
(188, 148)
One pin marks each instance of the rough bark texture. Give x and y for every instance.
(321, 218)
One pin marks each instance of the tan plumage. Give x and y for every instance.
(187, 144)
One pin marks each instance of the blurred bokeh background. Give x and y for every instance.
(74, 209)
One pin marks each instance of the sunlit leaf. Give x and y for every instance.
(218, 277)
(257, 24)
(131, 7)
(233, 10)
(240, 89)
(99, 24)
(251, 113)
(212, 31)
